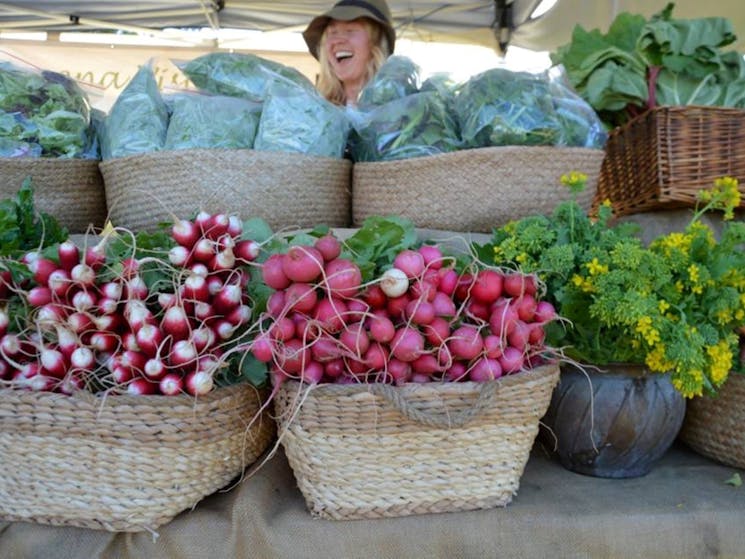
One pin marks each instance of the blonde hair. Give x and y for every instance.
(329, 85)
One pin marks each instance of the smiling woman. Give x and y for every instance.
(351, 41)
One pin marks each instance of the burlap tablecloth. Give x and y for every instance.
(683, 508)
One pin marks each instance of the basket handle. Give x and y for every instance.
(486, 395)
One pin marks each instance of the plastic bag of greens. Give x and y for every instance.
(51, 113)
(238, 75)
(206, 121)
(499, 107)
(138, 120)
(396, 78)
(581, 125)
(298, 120)
(413, 126)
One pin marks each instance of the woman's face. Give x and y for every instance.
(348, 49)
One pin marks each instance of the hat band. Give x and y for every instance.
(365, 5)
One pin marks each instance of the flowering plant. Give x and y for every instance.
(674, 305)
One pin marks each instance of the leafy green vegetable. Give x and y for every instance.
(22, 228)
(239, 74)
(204, 121)
(138, 121)
(295, 119)
(641, 64)
(43, 114)
(396, 78)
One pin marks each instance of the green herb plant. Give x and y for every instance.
(673, 306)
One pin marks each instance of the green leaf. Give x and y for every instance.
(253, 370)
(735, 480)
(256, 229)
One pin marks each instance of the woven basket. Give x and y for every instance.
(288, 190)
(71, 190)
(126, 463)
(472, 190)
(713, 426)
(375, 450)
(661, 159)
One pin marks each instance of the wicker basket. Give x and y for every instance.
(126, 463)
(713, 426)
(661, 159)
(288, 190)
(71, 190)
(472, 190)
(375, 450)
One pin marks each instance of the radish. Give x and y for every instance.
(302, 264)
(95, 256)
(83, 300)
(312, 373)
(136, 314)
(4, 321)
(394, 282)
(376, 357)
(106, 306)
(518, 337)
(396, 306)
(217, 226)
(457, 371)
(148, 338)
(432, 256)
(293, 356)
(537, 335)
(83, 359)
(478, 311)
(59, 282)
(355, 339)
(68, 254)
(544, 312)
(485, 369)
(261, 348)
(112, 290)
(423, 289)
(240, 315)
(329, 247)
(410, 263)
(235, 226)
(41, 268)
(381, 328)
(246, 250)
(325, 348)
(437, 331)
(136, 288)
(517, 284)
(426, 364)
(272, 272)
(399, 370)
(203, 338)
(444, 305)
(493, 346)
(375, 297)
(52, 362)
(81, 322)
(204, 250)
(175, 323)
(335, 368)
(503, 318)
(448, 281)
(487, 286)
(71, 384)
(141, 387)
(466, 342)
(83, 274)
(330, 314)
(343, 278)
(154, 368)
(300, 297)
(39, 296)
(229, 297)
(407, 344)
(185, 233)
(103, 342)
(526, 307)
(420, 312)
(224, 329)
(198, 383)
(171, 384)
(283, 329)
(179, 256)
(511, 360)
(183, 355)
(222, 260)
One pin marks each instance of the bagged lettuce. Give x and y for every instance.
(206, 121)
(398, 77)
(138, 121)
(295, 119)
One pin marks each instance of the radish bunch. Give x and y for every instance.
(95, 324)
(420, 321)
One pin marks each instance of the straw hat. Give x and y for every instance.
(347, 10)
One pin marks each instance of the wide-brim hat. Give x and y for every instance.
(348, 10)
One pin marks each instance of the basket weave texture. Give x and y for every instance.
(288, 190)
(375, 450)
(662, 158)
(126, 463)
(713, 426)
(475, 189)
(71, 190)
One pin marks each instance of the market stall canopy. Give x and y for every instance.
(488, 22)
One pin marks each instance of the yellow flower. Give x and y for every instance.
(583, 283)
(575, 180)
(650, 334)
(656, 360)
(595, 267)
(521, 258)
(607, 203)
(663, 305)
(720, 361)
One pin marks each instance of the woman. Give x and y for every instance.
(351, 41)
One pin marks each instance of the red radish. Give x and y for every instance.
(426, 364)
(203, 220)
(154, 368)
(83, 300)
(136, 314)
(518, 338)
(39, 296)
(444, 305)
(526, 307)
(167, 300)
(419, 378)
(171, 384)
(52, 362)
(493, 346)
(394, 282)
(198, 383)
(330, 313)
(104, 342)
(240, 315)
(83, 274)
(512, 360)
(133, 360)
(312, 373)
(83, 359)
(136, 288)
(355, 339)
(30, 257)
(335, 368)
(544, 312)
(95, 256)
(503, 318)
(396, 306)
(457, 371)
(465, 342)
(224, 329)
(108, 322)
(381, 328)
(4, 321)
(300, 297)
(485, 369)
(81, 322)
(179, 256)
(214, 284)
(272, 272)
(302, 264)
(276, 305)
(293, 356)
(129, 341)
(148, 338)
(112, 290)
(375, 297)
(357, 310)
(437, 331)
(225, 241)
(537, 335)
(195, 288)
(223, 260)
(283, 329)
(448, 281)
(69, 255)
(432, 255)
(217, 226)
(477, 310)
(185, 233)
(325, 349)
(203, 338)
(399, 370)
(106, 306)
(41, 268)
(200, 269)
(121, 374)
(183, 355)
(423, 289)
(420, 312)
(410, 262)
(246, 250)
(71, 384)
(141, 387)
(407, 344)
(41, 383)
(329, 247)
(235, 226)
(204, 250)
(343, 278)
(59, 282)
(51, 315)
(261, 348)
(228, 298)
(517, 284)
(463, 287)
(487, 286)
(175, 323)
